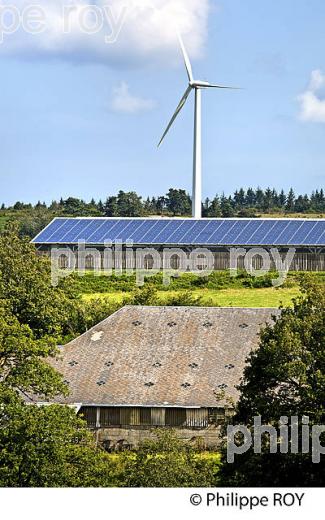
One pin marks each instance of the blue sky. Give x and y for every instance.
(82, 118)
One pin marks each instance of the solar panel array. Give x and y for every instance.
(204, 232)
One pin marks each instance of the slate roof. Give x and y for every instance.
(161, 356)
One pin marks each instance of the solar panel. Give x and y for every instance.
(182, 229)
(127, 233)
(103, 231)
(247, 231)
(217, 236)
(56, 224)
(204, 232)
(76, 231)
(313, 235)
(157, 228)
(119, 231)
(59, 234)
(140, 233)
(163, 236)
(87, 231)
(321, 239)
(302, 233)
(286, 235)
(272, 230)
(231, 237)
(193, 231)
(261, 233)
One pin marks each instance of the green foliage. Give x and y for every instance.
(148, 295)
(178, 202)
(186, 299)
(124, 205)
(87, 314)
(22, 359)
(49, 446)
(216, 280)
(285, 377)
(145, 296)
(3, 222)
(227, 209)
(260, 281)
(289, 366)
(26, 288)
(32, 222)
(89, 283)
(46, 446)
(40, 446)
(167, 461)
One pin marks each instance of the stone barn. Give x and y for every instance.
(167, 367)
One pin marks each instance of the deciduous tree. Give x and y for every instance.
(285, 377)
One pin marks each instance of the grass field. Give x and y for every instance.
(292, 215)
(265, 297)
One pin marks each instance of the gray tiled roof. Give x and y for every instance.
(162, 356)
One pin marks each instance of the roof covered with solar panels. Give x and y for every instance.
(177, 231)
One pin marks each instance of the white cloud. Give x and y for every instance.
(138, 31)
(317, 80)
(312, 102)
(124, 101)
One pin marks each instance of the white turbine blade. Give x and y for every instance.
(210, 85)
(186, 59)
(177, 111)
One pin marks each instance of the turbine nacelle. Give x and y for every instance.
(199, 84)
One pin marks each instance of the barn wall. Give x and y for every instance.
(304, 260)
(120, 428)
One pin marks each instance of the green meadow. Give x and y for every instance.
(269, 297)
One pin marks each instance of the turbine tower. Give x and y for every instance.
(197, 86)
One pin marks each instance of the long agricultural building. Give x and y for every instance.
(167, 367)
(303, 238)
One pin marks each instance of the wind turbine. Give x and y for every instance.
(197, 86)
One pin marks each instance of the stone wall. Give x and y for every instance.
(115, 439)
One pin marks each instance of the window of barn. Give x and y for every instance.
(130, 416)
(125, 416)
(202, 264)
(89, 414)
(175, 262)
(145, 416)
(110, 417)
(187, 418)
(63, 262)
(158, 416)
(134, 416)
(148, 262)
(89, 262)
(197, 418)
(175, 417)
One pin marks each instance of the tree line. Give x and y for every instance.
(177, 202)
